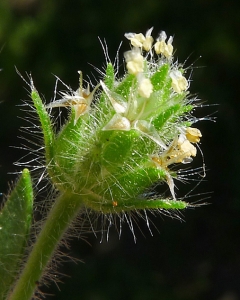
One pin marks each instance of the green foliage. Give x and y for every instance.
(15, 222)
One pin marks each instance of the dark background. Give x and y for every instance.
(195, 259)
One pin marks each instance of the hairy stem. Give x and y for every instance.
(62, 214)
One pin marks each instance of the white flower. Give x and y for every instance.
(79, 100)
(145, 87)
(127, 116)
(134, 60)
(179, 82)
(141, 41)
(161, 47)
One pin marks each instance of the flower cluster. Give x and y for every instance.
(135, 130)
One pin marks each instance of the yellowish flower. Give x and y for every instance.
(180, 151)
(134, 61)
(179, 82)
(193, 134)
(161, 47)
(145, 87)
(141, 41)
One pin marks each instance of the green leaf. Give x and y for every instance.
(15, 222)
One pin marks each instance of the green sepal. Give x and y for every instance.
(66, 147)
(77, 150)
(116, 147)
(138, 204)
(171, 114)
(120, 148)
(109, 76)
(46, 125)
(48, 135)
(15, 222)
(130, 184)
(104, 106)
(125, 188)
(96, 203)
(159, 78)
(165, 116)
(125, 85)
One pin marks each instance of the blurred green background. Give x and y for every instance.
(198, 258)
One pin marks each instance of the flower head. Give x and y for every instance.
(133, 137)
(161, 47)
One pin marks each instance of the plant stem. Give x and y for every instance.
(61, 215)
